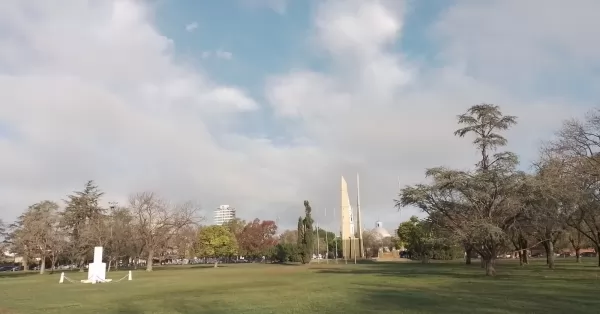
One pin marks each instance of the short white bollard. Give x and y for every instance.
(129, 275)
(62, 277)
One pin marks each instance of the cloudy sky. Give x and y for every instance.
(261, 104)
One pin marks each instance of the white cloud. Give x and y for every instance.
(191, 26)
(219, 54)
(131, 121)
(279, 6)
(386, 117)
(140, 120)
(512, 40)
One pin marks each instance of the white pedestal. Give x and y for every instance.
(97, 269)
(97, 272)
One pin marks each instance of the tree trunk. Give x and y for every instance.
(482, 261)
(524, 251)
(53, 257)
(150, 260)
(25, 262)
(598, 254)
(578, 255)
(108, 268)
(550, 257)
(468, 251)
(216, 263)
(42, 265)
(547, 249)
(81, 265)
(489, 266)
(520, 253)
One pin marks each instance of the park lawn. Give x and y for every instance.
(318, 288)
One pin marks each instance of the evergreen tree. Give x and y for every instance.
(82, 210)
(305, 235)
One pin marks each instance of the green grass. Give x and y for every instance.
(364, 288)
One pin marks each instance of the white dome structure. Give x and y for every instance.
(380, 232)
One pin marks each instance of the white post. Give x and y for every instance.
(129, 275)
(62, 277)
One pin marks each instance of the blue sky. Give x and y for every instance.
(266, 103)
(265, 42)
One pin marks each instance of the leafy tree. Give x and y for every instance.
(478, 206)
(236, 226)
(425, 240)
(216, 242)
(257, 238)
(286, 252)
(305, 235)
(417, 238)
(326, 240)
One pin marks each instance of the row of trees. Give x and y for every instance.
(496, 208)
(147, 230)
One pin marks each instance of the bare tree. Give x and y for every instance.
(34, 231)
(289, 237)
(156, 222)
(577, 239)
(120, 240)
(578, 143)
(547, 199)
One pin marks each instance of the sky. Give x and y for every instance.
(262, 104)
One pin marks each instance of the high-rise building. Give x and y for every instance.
(224, 214)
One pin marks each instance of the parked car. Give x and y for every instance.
(10, 268)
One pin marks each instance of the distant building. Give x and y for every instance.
(224, 214)
(380, 232)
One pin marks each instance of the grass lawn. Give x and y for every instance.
(318, 288)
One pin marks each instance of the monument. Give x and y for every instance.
(352, 246)
(97, 269)
(346, 223)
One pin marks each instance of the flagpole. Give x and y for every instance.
(326, 242)
(399, 189)
(318, 260)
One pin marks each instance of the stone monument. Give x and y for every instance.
(97, 269)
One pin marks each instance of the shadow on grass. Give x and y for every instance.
(185, 267)
(456, 288)
(506, 270)
(19, 274)
(484, 297)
